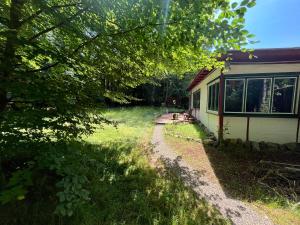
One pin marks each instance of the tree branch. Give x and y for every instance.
(89, 41)
(37, 13)
(56, 26)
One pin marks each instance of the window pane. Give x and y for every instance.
(283, 95)
(196, 99)
(216, 105)
(213, 98)
(234, 95)
(258, 95)
(210, 98)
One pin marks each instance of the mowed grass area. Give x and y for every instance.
(238, 171)
(129, 124)
(122, 186)
(191, 130)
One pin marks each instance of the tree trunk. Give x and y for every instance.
(9, 60)
(167, 92)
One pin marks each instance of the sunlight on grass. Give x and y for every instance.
(122, 186)
(186, 130)
(133, 124)
(279, 215)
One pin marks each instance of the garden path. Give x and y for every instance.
(204, 185)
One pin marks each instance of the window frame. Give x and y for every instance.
(246, 94)
(272, 76)
(294, 95)
(243, 97)
(216, 97)
(198, 91)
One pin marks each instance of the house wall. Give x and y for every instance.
(262, 68)
(277, 130)
(210, 120)
(235, 127)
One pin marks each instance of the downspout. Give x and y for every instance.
(220, 109)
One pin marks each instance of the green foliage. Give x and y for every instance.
(67, 163)
(165, 90)
(108, 181)
(17, 186)
(59, 58)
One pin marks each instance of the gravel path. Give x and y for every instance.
(235, 210)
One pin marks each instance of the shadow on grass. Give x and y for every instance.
(239, 171)
(123, 188)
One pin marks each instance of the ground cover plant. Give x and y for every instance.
(106, 179)
(239, 170)
(60, 60)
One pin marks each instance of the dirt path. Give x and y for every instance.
(235, 210)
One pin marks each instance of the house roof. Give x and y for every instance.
(260, 56)
(198, 78)
(271, 55)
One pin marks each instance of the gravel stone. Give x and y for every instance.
(238, 212)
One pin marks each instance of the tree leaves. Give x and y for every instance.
(69, 55)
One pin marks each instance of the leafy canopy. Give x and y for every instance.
(61, 57)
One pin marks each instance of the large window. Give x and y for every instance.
(283, 95)
(234, 92)
(196, 99)
(258, 95)
(213, 96)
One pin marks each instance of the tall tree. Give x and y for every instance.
(59, 56)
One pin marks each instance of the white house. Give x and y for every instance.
(252, 99)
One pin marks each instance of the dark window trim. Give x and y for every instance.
(246, 93)
(198, 91)
(244, 88)
(258, 75)
(294, 114)
(213, 82)
(294, 97)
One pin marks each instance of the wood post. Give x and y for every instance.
(220, 109)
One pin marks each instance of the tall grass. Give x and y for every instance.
(123, 187)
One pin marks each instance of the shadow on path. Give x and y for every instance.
(235, 210)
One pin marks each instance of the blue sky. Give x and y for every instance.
(276, 23)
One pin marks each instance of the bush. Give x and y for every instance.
(101, 184)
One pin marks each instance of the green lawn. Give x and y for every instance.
(112, 181)
(191, 130)
(133, 124)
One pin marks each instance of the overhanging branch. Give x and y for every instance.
(89, 41)
(37, 13)
(56, 26)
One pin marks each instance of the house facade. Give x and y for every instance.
(253, 99)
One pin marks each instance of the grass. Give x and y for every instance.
(133, 124)
(123, 187)
(239, 173)
(191, 130)
(236, 169)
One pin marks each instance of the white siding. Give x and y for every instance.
(262, 68)
(211, 121)
(277, 130)
(235, 127)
